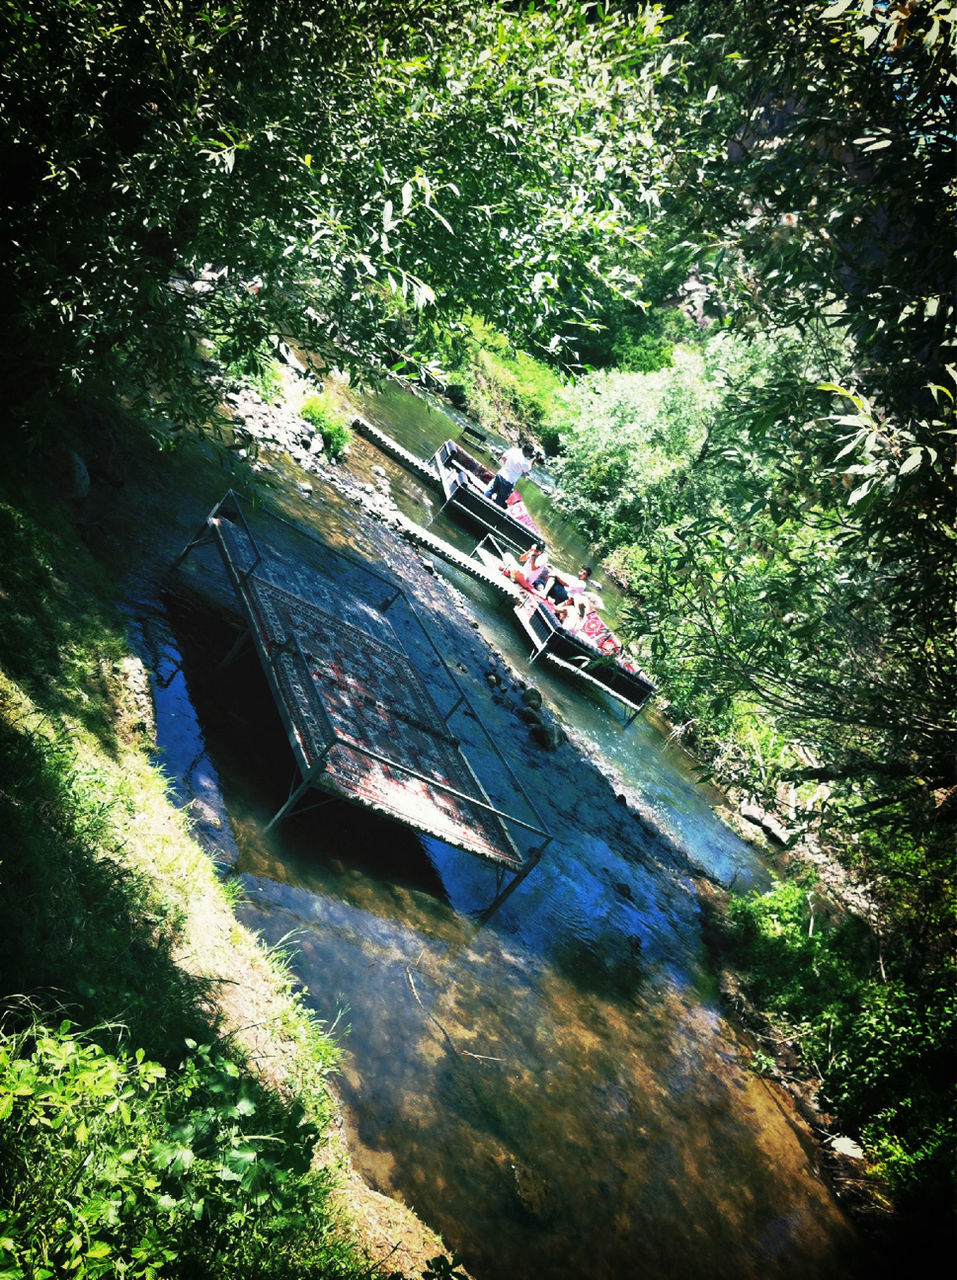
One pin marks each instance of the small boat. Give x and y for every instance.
(590, 651)
(464, 480)
(593, 653)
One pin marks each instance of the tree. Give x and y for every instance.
(812, 193)
(333, 156)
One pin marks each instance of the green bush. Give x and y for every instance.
(645, 341)
(880, 1037)
(335, 434)
(111, 1165)
(257, 368)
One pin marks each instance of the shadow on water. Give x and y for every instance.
(256, 768)
(556, 1090)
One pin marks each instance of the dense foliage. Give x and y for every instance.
(780, 504)
(113, 1166)
(744, 215)
(791, 532)
(256, 170)
(878, 1036)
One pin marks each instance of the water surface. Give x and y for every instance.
(555, 1089)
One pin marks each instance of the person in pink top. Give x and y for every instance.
(535, 570)
(516, 462)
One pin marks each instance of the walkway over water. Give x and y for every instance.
(424, 469)
(361, 721)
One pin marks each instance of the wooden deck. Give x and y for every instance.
(425, 470)
(359, 718)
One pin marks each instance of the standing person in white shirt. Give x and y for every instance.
(516, 462)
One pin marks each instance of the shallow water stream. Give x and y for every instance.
(556, 1090)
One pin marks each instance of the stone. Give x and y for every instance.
(80, 479)
(533, 1191)
(847, 1147)
(548, 736)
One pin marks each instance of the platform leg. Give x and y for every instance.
(290, 803)
(203, 535)
(516, 880)
(238, 644)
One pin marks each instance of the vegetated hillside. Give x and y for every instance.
(164, 1093)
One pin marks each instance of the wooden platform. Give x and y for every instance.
(360, 720)
(425, 470)
(580, 657)
(472, 564)
(461, 479)
(464, 481)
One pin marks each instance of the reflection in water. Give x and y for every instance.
(556, 1090)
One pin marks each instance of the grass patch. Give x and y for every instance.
(320, 413)
(254, 367)
(506, 389)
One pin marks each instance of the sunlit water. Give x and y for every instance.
(555, 1090)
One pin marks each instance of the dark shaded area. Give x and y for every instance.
(84, 937)
(257, 768)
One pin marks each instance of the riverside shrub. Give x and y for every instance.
(335, 434)
(877, 1031)
(111, 1165)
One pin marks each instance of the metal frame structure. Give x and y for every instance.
(288, 630)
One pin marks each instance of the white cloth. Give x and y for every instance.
(514, 465)
(573, 620)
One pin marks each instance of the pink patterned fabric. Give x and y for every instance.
(518, 511)
(592, 632)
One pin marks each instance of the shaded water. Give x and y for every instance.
(555, 1090)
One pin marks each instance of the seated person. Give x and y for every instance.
(536, 570)
(558, 590)
(572, 614)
